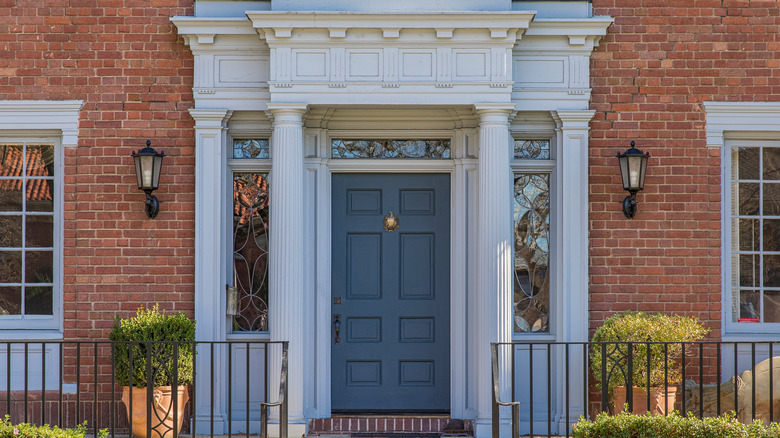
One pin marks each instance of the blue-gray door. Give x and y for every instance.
(391, 293)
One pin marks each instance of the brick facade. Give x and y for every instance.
(125, 60)
(659, 61)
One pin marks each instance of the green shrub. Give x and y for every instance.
(153, 325)
(643, 327)
(24, 430)
(625, 425)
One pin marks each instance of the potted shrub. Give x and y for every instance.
(641, 328)
(168, 341)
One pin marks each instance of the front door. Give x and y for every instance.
(391, 293)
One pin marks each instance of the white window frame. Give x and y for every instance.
(549, 167)
(54, 122)
(730, 125)
(242, 165)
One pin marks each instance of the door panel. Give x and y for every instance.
(391, 293)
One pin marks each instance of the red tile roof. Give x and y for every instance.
(11, 165)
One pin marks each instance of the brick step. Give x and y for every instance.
(383, 426)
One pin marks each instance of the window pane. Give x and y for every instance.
(771, 163)
(10, 300)
(749, 235)
(38, 300)
(772, 199)
(749, 306)
(250, 250)
(40, 195)
(532, 252)
(38, 267)
(747, 198)
(11, 161)
(772, 270)
(532, 149)
(748, 270)
(745, 163)
(255, 148)
(40, 160)
(39, 231)
(771, 235)
(10, 266)
(11, 231)
(390, 148)
(10, 195)
(772, 306)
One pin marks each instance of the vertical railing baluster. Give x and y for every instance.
(149, 388)
(265, 374)
(685, 411)
(26, 378)
(78, 382)
(753, 385)
(717, 380)
(649, 345)
(230, 389)
(247, 389)
(771, 384)
(283, 381)
(43, 383)
(666, 378)
(131, 384)
(211, 403)
(701, 380)
(585, 399)
(549, 391)
(175, 389)
(112, 419)
(8, 378)
(736, 367)
(604, 383)
(566, 388)
(61, 371)
(531, 386)
(630, 378)
(494, 411)
(193, 410)
(512, 360)
(95, 387)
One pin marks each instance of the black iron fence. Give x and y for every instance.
(224, 388)
(542, 388)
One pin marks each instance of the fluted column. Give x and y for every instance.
(494, 252)
(286, 248)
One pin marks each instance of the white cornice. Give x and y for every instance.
(739, 119)
(28, 115)
(203, 30)
(579, 30)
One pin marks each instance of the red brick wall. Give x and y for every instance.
(659, 61)
(124, 59)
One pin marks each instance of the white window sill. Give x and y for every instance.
(751, 337)
(31, 335)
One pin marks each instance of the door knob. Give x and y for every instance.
(337, 326)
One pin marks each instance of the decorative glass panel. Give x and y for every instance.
(250, 250)
(391, 148)
(532, 149)
(532, 253)
(255, 148)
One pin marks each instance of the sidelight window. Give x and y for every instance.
(531, 210)
(250, 168)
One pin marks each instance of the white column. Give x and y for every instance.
(494, 253)
(210, 252)
(287, 261)
(571, 321)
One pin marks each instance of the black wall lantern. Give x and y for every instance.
(633, 166)
(148, 163)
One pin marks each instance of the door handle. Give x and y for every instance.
(337, 326)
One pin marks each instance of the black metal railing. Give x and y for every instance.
(548, 386)
(62, 383)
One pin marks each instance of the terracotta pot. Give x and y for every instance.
(640, 400)
(162, 410)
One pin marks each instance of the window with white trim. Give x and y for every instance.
(30, 241)
(532, 165)
(249, 168)
(753, 214)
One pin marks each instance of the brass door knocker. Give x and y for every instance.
(391, 222)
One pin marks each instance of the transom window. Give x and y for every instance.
(755, 233)
(28, 238)
(531, 210)
(250, 168)
(378, 148)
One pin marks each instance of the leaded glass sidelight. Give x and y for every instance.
(532, 253)
(391, 148)
(250, 250)
(532, 149)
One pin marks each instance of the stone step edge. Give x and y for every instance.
(379, 424)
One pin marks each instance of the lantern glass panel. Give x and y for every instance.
(147, 165)
(624, 172)
(156, 172)
(634, 172)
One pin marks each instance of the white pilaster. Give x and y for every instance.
(287, 261)
(494, 253)
(571, 323)
(210, 249)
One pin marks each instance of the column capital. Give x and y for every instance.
(287, 112)
(573, 119)
(210, 118)
(494, 113)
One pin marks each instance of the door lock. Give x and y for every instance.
(337, 326)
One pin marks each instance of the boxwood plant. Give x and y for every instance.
(25, 430)
(166, 339)
(643, 327)
(625, 425)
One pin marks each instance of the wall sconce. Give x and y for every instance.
(633, 166)
(148, 163)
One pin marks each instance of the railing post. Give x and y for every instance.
(630, 379)
(604, 382)
(494, 385)
(284, 389)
